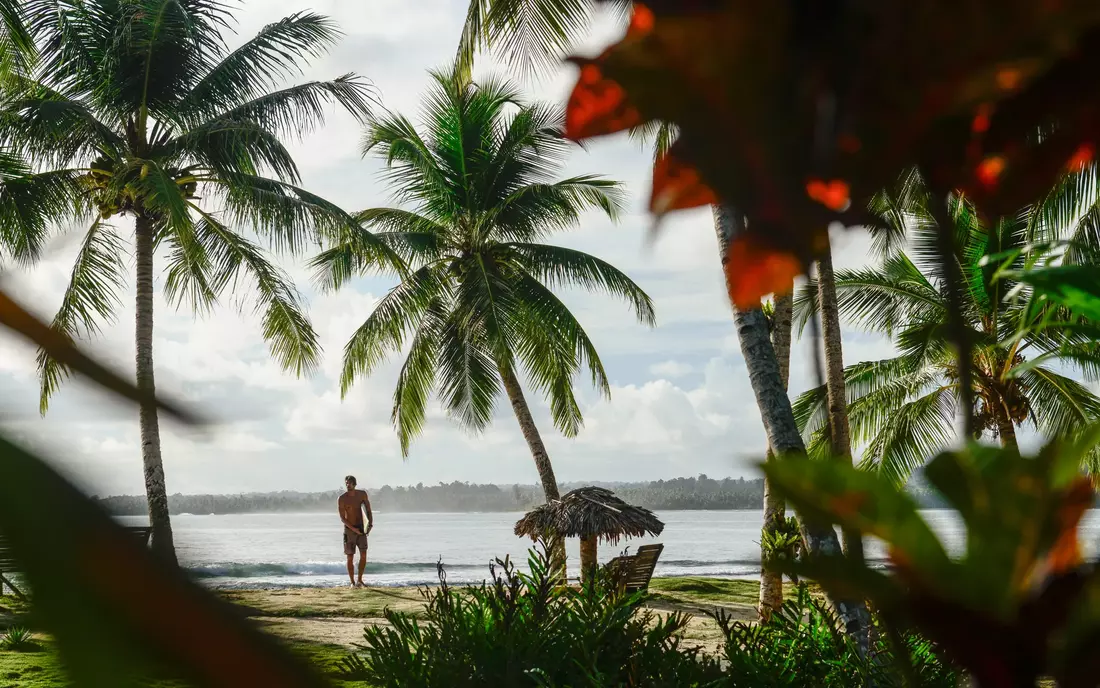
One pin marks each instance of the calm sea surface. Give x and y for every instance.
(290, 550)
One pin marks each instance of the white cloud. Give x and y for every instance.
(671, 369)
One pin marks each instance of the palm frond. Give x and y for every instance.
(1060, 406)
(48, 126)
(553, 347)
(881, 299)
(272, 55)
(30, 204)
(228, 148)
(286, 215)
(417, 377)
(298, 110)
(811, 411)
(660, 135)
(412, 170)
(286, 327)
(385, 330)
(537, 210)
(469, 373)
(358, 251)
(531, 35)
(90, 297)
(901, 210)
(913, 434)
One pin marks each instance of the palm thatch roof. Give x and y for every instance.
(589, 512)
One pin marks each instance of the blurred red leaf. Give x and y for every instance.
(598, 105)
(754, 270)
(769, 96)
(677, 186)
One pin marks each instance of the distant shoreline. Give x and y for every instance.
(700, 493)
(326, 512)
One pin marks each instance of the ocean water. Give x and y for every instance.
(293, 550)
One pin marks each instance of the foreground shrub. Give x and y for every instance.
(801, 646)
(525, 629)
(528, 630)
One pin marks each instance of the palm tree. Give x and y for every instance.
(477, 304)
(837, 426)
(139, 109)
(770, 390)
(904, 408)
(533, 35)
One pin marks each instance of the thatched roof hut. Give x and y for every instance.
(591, 514)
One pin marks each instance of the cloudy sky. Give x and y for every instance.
(680, 405)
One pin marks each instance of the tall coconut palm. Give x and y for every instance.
(533, 36)
(779, 421)
(836, 424)
(477, 307)
(138, 109)
(779, 315)
(904, 408)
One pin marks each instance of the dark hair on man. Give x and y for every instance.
(351, 478)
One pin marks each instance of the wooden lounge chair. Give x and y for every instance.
(8, 565)
(635, 571)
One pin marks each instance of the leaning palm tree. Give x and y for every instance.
(477, 306)
(138, 109)
(904, 408)
(533, 36)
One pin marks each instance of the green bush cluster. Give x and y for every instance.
(528, 629)
(802, 646)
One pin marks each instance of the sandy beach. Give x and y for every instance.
(336, 616)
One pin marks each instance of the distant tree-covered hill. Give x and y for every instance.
(679, 493)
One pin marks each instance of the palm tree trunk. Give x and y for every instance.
(556, 548)
(155, 490)
(775, 410)
(1006, 430)
(839, 432)
(775, 511)
(588, 557)
(530, 433)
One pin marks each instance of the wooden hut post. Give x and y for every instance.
(588, 557)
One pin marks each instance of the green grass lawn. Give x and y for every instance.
(711, 590)
(43, 669)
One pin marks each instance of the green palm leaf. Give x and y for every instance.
(91, 297)
(903, 409)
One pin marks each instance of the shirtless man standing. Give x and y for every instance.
(351, 505)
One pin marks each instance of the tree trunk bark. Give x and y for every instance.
(556, 548)
(839, 432)
(1006, 430)
(155, 490)
(530, 433)
(775, 410)
(588, 558)
(775, 511)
